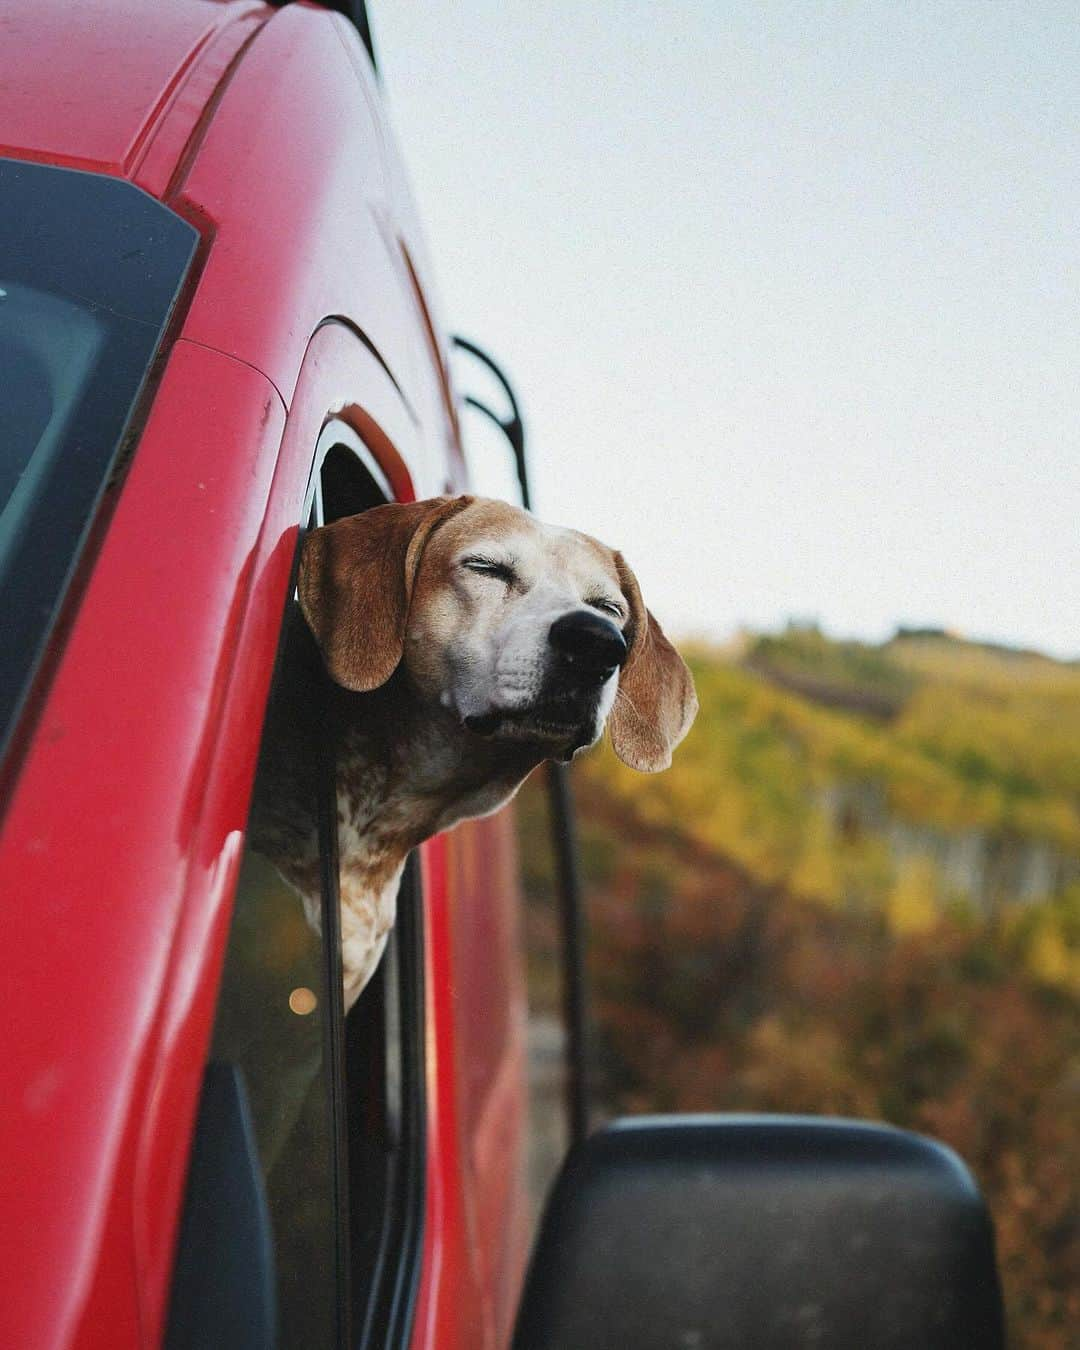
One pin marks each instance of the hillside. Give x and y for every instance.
(857, 891)
(910, 778)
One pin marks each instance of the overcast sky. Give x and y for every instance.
(789, 290)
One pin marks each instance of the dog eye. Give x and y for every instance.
(488, 567)
(611, 607)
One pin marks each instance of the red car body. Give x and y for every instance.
(127, 790)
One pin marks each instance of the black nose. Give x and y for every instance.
(589, 643)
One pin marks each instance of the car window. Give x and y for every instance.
(383, 1053)
(90, 272)
(272, 1022)
(278, 1023)
(333, 1107)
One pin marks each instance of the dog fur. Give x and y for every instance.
(452, 678)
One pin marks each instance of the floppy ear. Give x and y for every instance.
(656, 702)
(356, 581)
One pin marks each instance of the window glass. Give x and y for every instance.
(90, 269)
(273, 1022)
(48, 348)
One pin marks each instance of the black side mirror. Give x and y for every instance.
(762, 1233)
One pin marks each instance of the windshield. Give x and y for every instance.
(90, 268)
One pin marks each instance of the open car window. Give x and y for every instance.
(324, 1113)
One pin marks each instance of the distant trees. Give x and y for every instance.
(981, 746)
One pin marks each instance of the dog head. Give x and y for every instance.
(523, 632)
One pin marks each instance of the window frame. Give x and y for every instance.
(382, 1294)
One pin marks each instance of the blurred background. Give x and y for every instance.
(790, 293)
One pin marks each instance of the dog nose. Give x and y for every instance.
(589, 643)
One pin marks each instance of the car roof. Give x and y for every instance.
(93, 81)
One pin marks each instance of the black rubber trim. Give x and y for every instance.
(356, 12)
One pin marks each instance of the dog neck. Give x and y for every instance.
(405, 771)
(408, 770)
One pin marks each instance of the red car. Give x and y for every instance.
(216, 328)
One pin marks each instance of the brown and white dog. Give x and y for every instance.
(467, 642)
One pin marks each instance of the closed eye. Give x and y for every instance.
(489, 567)
(606, 606)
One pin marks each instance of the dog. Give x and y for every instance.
(465, 643)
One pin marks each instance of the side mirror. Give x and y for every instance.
(762, 1233)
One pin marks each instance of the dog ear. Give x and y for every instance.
(356, 581)
(656, 702)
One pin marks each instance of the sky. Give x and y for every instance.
(790, 292)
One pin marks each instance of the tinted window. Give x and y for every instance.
(90, 268)
(276, 1019)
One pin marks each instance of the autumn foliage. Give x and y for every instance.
(791, 919)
